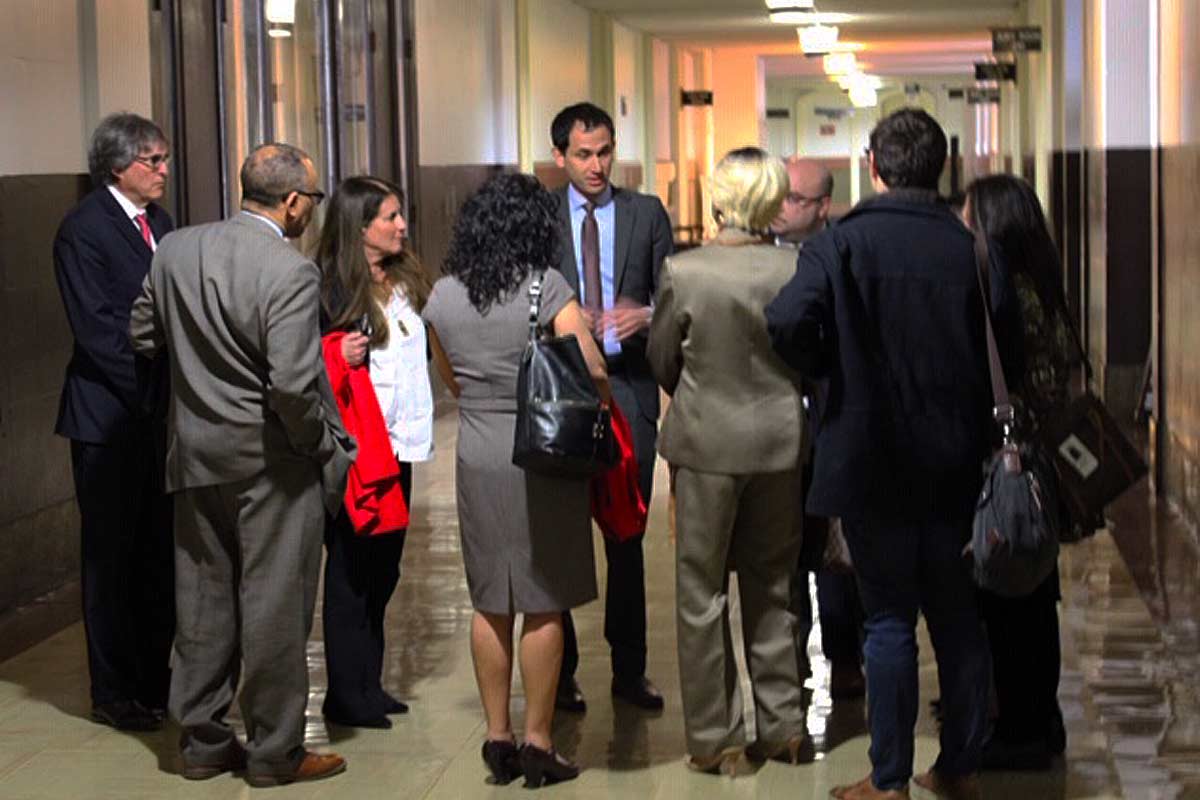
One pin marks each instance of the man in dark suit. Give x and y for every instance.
(110, 410)
(886, 305)
(613, 245)
(256, 448)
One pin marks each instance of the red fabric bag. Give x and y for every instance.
(617, 503)
(374, 496)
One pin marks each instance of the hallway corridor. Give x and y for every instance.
(1125, 724)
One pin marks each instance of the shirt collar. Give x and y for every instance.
(578, 201)
(266, 220)
(128, 206)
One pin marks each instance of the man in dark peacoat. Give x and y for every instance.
(110, 409)
(886, 307)
(633, 234)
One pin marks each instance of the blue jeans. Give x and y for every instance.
(904, 568)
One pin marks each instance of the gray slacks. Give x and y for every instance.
(746, 521)
(247, 557)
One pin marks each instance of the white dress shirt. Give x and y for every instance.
(400, 374)
(132, 211)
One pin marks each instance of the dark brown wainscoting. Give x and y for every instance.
(1180, 327)
(39, 528)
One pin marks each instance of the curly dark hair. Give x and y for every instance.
(503, 230)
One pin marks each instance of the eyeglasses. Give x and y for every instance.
(155, 161)
(316, 196)
(797, 198)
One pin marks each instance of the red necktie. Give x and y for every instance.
(592, 297)
(144, 227)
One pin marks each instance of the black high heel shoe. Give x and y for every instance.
(543, 767)
(503, 760)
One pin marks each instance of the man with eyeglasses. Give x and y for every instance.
(112, 409)
(804, 214)
(256, 448)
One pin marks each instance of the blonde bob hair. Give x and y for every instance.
(748, 188)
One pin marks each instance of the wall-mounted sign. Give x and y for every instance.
(827, 130)
(979, 96)
(955, 94)
(778, 113)
(830, 113)
(698, 97)
(985, 71)
(912, 88)
(1017, 40)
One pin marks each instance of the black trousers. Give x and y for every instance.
(127, 556)
(361, 572)
(1026, 661)
(625, 591)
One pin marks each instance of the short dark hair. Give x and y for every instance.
(910, 149)
(273, 171)
(117, 141)
(504, 230)
(591, 115)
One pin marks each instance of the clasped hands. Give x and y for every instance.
(625, 319)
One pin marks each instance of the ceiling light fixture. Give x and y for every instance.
(280, 12)
(818, 39)
(840, 63)
(863, 97)
(789, 12)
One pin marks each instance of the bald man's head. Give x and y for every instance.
(805, 210)
(280, 181)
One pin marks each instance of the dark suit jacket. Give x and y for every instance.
(100, 261)
(886, 306)
(642, 239)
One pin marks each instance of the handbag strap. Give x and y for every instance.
(1002, 408)
(535, 303)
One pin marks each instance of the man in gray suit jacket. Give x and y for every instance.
(613, 245)
(253, 437)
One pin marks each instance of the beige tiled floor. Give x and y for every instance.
(1112, 699)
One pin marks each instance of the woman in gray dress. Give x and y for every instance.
(526, 538)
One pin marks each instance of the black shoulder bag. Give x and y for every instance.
(563, 428)
(1014, 536)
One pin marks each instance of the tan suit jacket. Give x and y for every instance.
(236, 307)
(736, 406)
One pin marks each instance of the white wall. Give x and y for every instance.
(810, 140)
(663, 93)
(559, 41)
(626, 63)
(466, 82)
(63, 65)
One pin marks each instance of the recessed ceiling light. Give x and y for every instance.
(818, 38)
(840, 63)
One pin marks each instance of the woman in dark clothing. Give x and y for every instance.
(373, 288)
(1023, 631)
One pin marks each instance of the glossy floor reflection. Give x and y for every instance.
(1129, 698)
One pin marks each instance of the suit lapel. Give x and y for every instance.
(622, 230)
(124, 225)
(567, 263)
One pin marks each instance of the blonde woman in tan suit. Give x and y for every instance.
(732, 438)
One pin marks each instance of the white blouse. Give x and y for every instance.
(400, 374)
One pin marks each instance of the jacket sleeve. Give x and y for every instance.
(799, 319)
(664, 350)
(81, 269)
(662, 242)
(145, 326)
(295, 368)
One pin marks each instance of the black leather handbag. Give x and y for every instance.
(563, 428)
(1018, 516)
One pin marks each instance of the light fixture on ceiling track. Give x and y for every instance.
(790, 12)
(818, 39)
(281, 16)
(864, 97)
(840, 63)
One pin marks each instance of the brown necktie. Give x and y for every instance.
(592, 297)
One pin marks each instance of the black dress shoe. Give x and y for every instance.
(544, 767)
(393, 706)
(1017, 756)
(126, 715)
(376, 721)
(503, 759)
(640, 692)
(569, 698)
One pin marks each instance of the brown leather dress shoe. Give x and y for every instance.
(313, 767)
(865, 790)
(234, 762)
(950, 787)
